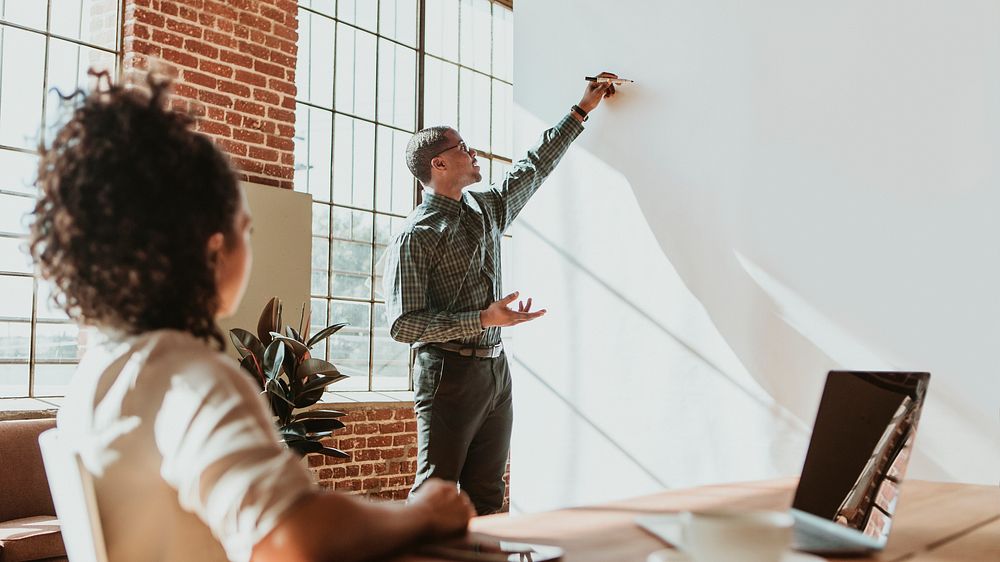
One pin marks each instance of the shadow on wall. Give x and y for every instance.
(626, 375)
(830, 167)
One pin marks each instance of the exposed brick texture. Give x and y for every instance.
(382, 442)
(234, 67)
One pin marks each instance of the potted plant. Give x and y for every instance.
(291, 378)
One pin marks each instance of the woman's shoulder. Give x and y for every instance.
(176, 355)
(138, 369)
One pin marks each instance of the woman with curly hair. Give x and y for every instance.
(144, 231)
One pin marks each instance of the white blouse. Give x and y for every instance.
(186, 461)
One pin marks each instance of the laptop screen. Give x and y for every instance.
(861, 444)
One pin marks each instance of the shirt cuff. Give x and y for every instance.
(570, 126)
(469, 322)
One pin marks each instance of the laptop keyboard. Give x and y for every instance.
(813, 540)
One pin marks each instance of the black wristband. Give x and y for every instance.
(579, 111)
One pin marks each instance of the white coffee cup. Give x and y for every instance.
(736, 536)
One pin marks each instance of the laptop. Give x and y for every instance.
(861, 443)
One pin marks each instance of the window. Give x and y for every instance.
(370, 73)
(45, 45)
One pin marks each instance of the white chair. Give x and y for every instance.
(72, 489)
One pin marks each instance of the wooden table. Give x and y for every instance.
(935, 522)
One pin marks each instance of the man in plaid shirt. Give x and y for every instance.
(442, 287)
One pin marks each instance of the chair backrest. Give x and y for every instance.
(24, 491)
(72, 489)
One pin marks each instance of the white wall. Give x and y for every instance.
(789, 187)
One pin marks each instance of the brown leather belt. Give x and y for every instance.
(491, 352)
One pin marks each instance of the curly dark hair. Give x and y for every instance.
(128, 198)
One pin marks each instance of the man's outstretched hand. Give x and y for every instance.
(498, 313)
(596, 92)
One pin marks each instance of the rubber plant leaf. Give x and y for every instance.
(324, 333)
(296, 346)
(315, 426)
(319, 415)
(321, 382)
(313, 366)
(273, 356)
(245, 343)
(267, 321)
(251, 365)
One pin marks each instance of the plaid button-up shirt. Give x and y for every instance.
(444, 267)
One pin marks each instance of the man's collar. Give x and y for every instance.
(441, 203)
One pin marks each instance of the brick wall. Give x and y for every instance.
(382, 442)
(234, 67)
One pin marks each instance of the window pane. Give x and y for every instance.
(441, 29)
(485, 164)
(14, 211)
(386, 230)
(362, 13)
(321, 220)
(15, 340)
(349, 348)
(14, 255)
(391, 370)
(57, 342)
(502, 127)
(314, 68)
(475, 34)
(499, 170)
(440, 93)
(352, 254)
(13, 380)
(503, 43)
(353, 162)
(355, 72)
(328, 7)
(398, 20)
(397, 85)
(313, 139)
(320, 267)
(15, 297)
(474, 109)
(394, 192)
(68, 66)
(317, 321)
(90, 21)
(48, 310)
(53, 380)
(17, 171)
(29, 13)
(21, 84)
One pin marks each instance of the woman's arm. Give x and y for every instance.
(333, 526)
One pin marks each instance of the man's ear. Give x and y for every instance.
(438, 164)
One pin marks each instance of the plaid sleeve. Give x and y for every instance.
(527, 175)
(406, 274)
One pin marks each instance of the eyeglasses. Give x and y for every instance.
(461, 146)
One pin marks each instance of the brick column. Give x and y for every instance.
(234, 67)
